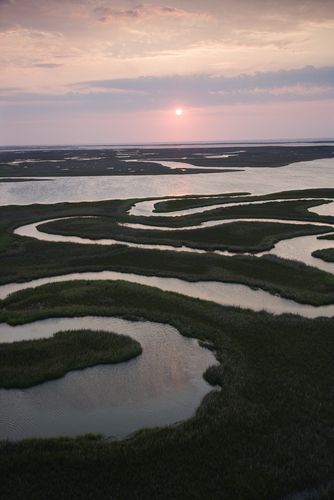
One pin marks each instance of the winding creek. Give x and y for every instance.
(163, 385)
(299, 248)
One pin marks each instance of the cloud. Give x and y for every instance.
(192, 91)
(201, 85)
(107, 14)
(47, 65)
(226, 15)
(147, 29)
(10, 89)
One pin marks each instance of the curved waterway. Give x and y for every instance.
(35, 230)
(162, 386)
(227, 294)
(299, 248)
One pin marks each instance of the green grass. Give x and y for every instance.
(34, 259)
(268, 433)
(30, 362)
(6, 240)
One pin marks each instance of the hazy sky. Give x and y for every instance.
(94, 71)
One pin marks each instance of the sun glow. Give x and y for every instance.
(179, 111)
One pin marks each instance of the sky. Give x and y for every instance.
(105, 71)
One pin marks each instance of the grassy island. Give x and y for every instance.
(196, 201)
(30, 362)
(326, 254)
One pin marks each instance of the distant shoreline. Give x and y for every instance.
(154, 161)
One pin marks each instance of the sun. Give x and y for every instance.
(179, 111)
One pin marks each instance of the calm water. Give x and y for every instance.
(313, 174)
(161, 386)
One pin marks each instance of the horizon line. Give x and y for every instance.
(175, 143)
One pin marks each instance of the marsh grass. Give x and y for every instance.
(327, 254)
(31, 259)
(6, 240)
(30, 362)
(327, 237)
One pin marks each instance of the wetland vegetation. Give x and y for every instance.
(241, 236)
(30, 362)
(326, 254)
(190, 202)
(265, 434)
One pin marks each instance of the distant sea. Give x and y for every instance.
(164, 145)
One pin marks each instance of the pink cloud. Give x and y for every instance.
(107, 14)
